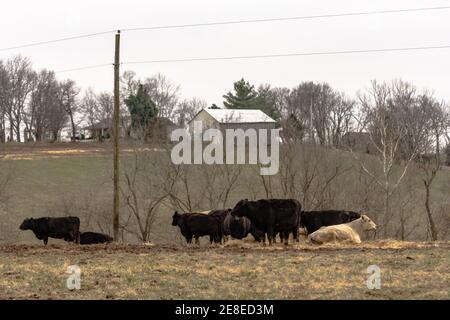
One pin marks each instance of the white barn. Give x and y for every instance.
(232, 119)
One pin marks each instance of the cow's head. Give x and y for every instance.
(240, 208)
(27, 224)
(175, 218)
(367, 223)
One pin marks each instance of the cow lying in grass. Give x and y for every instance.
(94, 238)
(67, 228)
(346, 232)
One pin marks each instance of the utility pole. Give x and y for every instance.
(311, 130)
(116, 136)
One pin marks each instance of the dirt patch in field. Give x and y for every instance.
(31, 151)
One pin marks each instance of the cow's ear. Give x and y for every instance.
(229, 209)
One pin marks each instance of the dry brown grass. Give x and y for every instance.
(238, 270)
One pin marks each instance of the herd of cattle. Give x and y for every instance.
(270, 217)
(261, 218)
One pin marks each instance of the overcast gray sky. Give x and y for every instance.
(30, 21)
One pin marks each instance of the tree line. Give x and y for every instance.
(37, 105)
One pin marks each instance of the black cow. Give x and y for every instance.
(94, 238)
(241, 227)
(314, 220)
(225, 217)
(271, 216)
(197, 225)
(237, 228)
(67, 228)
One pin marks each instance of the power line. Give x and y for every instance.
(348, 14)
(295, 54)
(280, 55)
(86, 67)
(40, 43)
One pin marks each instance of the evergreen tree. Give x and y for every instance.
(142, 109)
(246, 97)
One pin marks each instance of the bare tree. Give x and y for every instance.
(339, 119)
(16, 86)
(89, 107)
(143, 192)
(314, 111)
(3, 101)
(69, 102)
(164, 94)
(387, 111)
(57, 117)
(431, 163)
(188, 108)
(44, 100)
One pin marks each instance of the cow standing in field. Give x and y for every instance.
(271, 216)
(241, 227)
(237, 228)
(314, 220)
(224, 216)
(94, 238)
(347, 232)
(67, 228)
(195, 225)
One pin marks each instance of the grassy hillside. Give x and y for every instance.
(75, 179)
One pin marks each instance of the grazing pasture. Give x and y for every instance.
(156, 263)
(75, 180)
(238, 270)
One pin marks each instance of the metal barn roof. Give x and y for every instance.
(239, 115)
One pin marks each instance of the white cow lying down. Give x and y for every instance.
(346, 232)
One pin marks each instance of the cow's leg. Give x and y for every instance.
(197, 241)
(270, 234)
(45, 240)
(189, 239)
(255, 235)
(270, 238)
(286, 237)
(295, 234)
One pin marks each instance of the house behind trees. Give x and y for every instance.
(160, 129)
